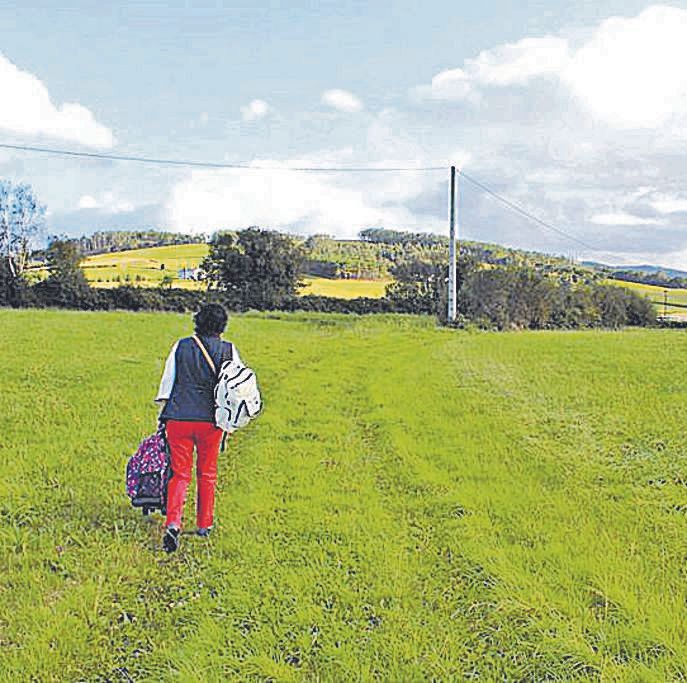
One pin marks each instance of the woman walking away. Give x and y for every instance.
(187, 391)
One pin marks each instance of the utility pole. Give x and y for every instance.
(665, 303)
(452, 287)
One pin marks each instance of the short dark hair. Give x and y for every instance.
(211, 320)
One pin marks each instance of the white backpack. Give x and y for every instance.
(237, 396)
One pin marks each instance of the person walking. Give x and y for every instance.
(188, 411)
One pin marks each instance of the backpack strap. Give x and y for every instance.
(227, 346)
(208, 358)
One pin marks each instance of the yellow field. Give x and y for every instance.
(344, 289)
(656, 294)
(144, 267)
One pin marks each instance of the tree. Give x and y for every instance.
(64, 259)
(254, 268)
(66, 285)
(421, 286)
(21, 218)
(167, 281)
(12, 289)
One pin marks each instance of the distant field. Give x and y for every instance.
(656, 294)
(415, 504)
(344, 289)
(144, 267)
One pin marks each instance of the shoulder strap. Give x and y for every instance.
(208, 358)
(227, 346)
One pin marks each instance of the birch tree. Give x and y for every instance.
(22, 217)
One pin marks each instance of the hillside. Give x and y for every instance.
(415, 503)
(659, 295)
(372, 258)
(351, 268)
(644, 268)
(147, 267)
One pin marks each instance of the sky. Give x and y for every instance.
(576, 111)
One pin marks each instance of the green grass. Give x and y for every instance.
(414, 504)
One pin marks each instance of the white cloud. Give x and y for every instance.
(107, 203)
(506, 65)
(547, 176)
(88, 202)
(666, 204)
(629, 74)
(256, 109)
(586, 129)
(342, 100)
(286, 200)
(341, 204)
(621, 218)
(28, 110)
(453, 84)
(517, 63)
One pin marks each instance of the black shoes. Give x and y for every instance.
(170, 542)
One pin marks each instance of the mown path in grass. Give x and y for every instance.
(414, 503)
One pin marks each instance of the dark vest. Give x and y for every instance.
(193, 398)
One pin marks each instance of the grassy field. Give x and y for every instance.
(344, 289)
(144, 264)
(414, 504)
(143, 267)
(656, 294)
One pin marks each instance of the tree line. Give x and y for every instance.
(371, 257)
(108, 241)
(261, 269)
(516, 297)
(657, 279)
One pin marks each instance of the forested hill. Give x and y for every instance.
(373, 256)
(123, 240)
(657, 276)
(383, 248)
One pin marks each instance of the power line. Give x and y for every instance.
(304, 169)
(220, 165)
(523, 212)
(526, 214)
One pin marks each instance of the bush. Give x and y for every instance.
(328, 304)
(141, 299)
(493, 298)
(14, 291)
(619, 307)
(521, 298)
(64, 293)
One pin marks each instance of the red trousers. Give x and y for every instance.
(182, 437)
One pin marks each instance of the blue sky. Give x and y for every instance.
(576, 110)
